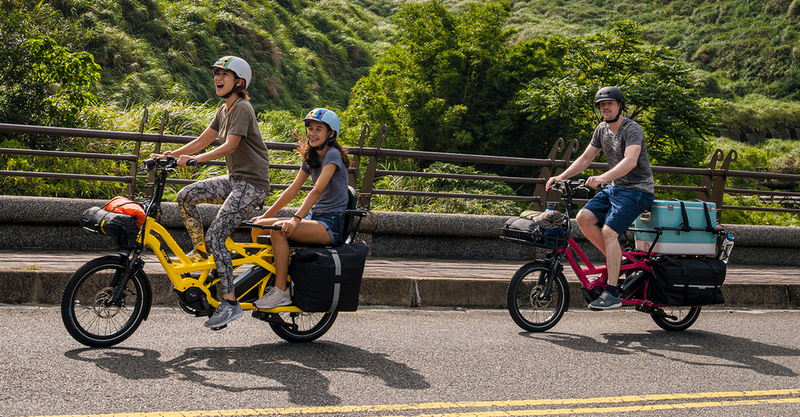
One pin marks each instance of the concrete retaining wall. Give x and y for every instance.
(52, 223)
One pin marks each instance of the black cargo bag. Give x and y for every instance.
(120, 227)
(328, 279)
(543, 230)
(687, 281)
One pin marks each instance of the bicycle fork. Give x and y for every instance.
(554, 268)
(133, 264)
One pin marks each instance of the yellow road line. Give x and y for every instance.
(507, 404)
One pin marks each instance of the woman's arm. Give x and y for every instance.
(198, 144)
(319, 187)
(286, 196)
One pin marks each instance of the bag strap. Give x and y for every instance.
(337, 287)
(685, 225)
(709, 227)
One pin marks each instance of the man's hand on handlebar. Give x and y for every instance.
(595, 182)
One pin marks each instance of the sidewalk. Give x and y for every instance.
(33, 276)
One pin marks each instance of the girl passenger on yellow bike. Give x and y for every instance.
(318, 220)
(242, 190)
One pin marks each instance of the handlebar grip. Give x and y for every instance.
(191, 163)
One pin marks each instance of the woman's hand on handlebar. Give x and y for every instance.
(186, 161)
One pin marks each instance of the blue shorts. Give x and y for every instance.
(331, 221)
(618, 207)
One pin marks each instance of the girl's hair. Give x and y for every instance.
(244, 94)
(310, 155)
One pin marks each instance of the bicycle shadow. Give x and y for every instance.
(297, 369)
(683, 347)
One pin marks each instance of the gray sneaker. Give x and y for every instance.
(606, 301)
(224, 314)
(274, 297)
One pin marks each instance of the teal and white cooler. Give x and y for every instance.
(668, 213)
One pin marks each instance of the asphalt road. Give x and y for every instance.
(406, 362)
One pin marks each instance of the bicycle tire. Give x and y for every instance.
(310, 326)
(527, 308)
(95, 324)
(686, 316)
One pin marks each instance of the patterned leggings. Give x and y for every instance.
(238, 198)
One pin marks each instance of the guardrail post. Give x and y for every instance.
(550, 170)
(135, 164)
(365, 197)
(718, 191)
(356, 160)
(151, 177)
(705, 193)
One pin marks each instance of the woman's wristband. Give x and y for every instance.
(294, 215)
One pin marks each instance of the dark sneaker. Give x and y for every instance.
(224, 314)
(606, 301)
(274, 297)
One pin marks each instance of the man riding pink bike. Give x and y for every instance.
(609, 213)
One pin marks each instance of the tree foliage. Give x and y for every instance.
(660, 93)
(449, 82)
(42, 83)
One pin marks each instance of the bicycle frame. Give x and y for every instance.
(637, 261)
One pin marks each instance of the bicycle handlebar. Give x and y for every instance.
(168, 163)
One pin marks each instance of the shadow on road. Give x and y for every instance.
(684, 347)
(296, 368)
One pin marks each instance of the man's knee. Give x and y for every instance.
(586, 218)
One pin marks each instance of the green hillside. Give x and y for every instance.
(302, 52)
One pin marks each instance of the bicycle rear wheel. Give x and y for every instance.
(310, 326)
(528, 307)
(684, 318)
(87, 316)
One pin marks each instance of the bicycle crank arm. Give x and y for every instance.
(274, 318)
(656, 311)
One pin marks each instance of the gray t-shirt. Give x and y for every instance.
(249, 160)
(334, 198)
(630, 133)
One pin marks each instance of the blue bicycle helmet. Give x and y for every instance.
(328, 118)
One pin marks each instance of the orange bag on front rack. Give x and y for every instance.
(123, 205)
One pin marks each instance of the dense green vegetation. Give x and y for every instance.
(494, 77)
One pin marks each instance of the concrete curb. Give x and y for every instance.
(45, 288)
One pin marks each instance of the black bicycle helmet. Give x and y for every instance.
(609, 93)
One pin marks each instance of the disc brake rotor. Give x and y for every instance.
(102, 308)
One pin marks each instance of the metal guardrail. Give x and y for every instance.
(712, 186)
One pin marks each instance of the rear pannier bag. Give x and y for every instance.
(544, 229)
(120, 227)
(687, 281)
(328, 279)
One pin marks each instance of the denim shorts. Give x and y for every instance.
(618, 207)
(331, 221)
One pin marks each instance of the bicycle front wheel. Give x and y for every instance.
(530, 308)
(684, 317)
(310, 326)
(85, 310)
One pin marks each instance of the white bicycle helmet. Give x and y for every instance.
(326, 116)
(239, 67)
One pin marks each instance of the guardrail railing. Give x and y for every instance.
(712, 185)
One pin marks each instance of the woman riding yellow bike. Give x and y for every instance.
(240, 192)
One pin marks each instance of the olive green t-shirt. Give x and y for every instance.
(249, 160)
